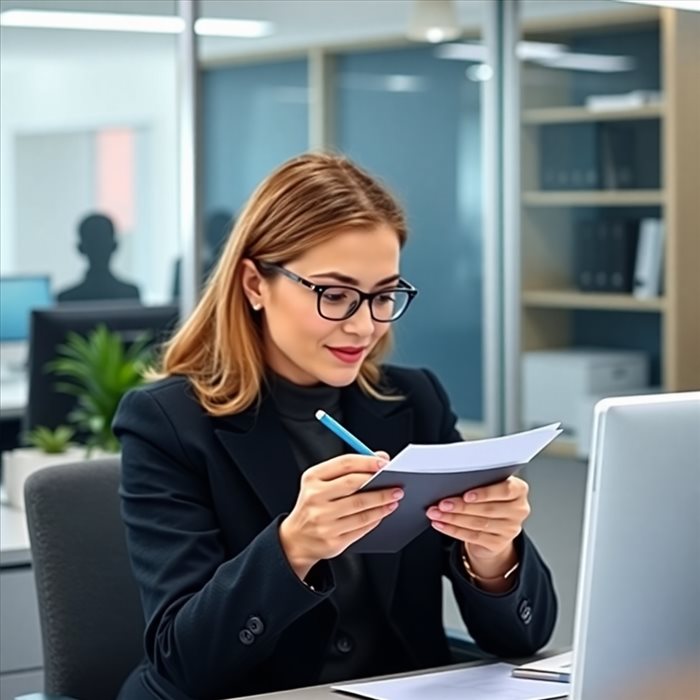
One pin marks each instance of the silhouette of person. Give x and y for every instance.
(97, 242)
(218, 224)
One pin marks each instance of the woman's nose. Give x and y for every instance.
(361, 322)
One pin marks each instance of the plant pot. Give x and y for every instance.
(20, 463)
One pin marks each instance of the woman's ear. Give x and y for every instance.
(253, 283)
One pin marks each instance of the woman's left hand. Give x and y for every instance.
(486, 520)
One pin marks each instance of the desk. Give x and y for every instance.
(324, 692)
(21, 658)
(14, 537)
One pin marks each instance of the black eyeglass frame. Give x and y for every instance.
(364, 296)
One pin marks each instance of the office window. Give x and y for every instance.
(254, 117)
(413, 118)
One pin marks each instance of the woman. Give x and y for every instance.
(239, 505)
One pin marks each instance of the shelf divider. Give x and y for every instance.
(573, 299)
(593, 198)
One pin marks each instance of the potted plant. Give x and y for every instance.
(45, 447)
(98, 369)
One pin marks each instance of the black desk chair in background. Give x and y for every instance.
(89, 607)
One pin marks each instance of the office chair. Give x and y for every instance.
(89, 608)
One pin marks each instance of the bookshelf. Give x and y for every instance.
(554, 312)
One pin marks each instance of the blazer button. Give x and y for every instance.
(255, 625)
(525, 611)
(246, 637)
(344, 644)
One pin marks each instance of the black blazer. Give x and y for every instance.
(202, 499)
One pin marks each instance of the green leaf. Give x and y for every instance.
(99, 370)
(50, 441)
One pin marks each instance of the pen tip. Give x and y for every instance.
(319, 414)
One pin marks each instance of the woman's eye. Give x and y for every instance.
(335, 297)
(387, 298)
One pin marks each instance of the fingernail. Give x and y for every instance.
(397, 494)
(381, 463)
(470, 497)
(438, 526)
(393, 506)
(447, 505)
(433, 513)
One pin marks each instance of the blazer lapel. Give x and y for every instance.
(388, 426)
(258, 444)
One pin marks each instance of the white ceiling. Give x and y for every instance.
(298, 24)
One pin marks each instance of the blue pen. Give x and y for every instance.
(343, 434)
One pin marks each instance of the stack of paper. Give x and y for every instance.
(489, 682)
(429, 473)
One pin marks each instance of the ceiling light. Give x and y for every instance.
(38, 19)
(433, 21)
(475, 51)
(153, 24)
(462, 52)
(593, 63)
(539, 50)
(479, 73)
(676, 4)
(243, 28)
(542, 53)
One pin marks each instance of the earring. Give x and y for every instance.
(257, 307)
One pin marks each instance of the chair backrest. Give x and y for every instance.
(89, 607)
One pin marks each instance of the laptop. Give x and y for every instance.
(638, 609)
(638, 602)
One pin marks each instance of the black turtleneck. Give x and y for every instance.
(363, 642)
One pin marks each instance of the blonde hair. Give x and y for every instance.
(300, 205)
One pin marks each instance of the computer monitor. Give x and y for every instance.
(637, 613)
(19, 294)
(49, 329)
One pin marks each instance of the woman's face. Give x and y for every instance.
(302, 346)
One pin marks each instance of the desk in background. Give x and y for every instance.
(21, 658)
(14, 394)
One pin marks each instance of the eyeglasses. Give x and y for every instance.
(338, 302)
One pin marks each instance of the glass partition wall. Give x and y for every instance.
(408, 111)
(88, 180)
(88, 124)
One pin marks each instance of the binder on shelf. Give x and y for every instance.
(601, 257)
(585, 254)
(622, 241)
(554, 174)
(569, 157)
(618, 168)
(649, 260)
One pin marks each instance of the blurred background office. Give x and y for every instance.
(546, 152)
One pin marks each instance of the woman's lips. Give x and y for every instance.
(348, 355)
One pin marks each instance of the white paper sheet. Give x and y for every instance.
(474, 455)
(489, 682)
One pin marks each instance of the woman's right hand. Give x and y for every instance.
(328, 515)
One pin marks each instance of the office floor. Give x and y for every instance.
(557, 494)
